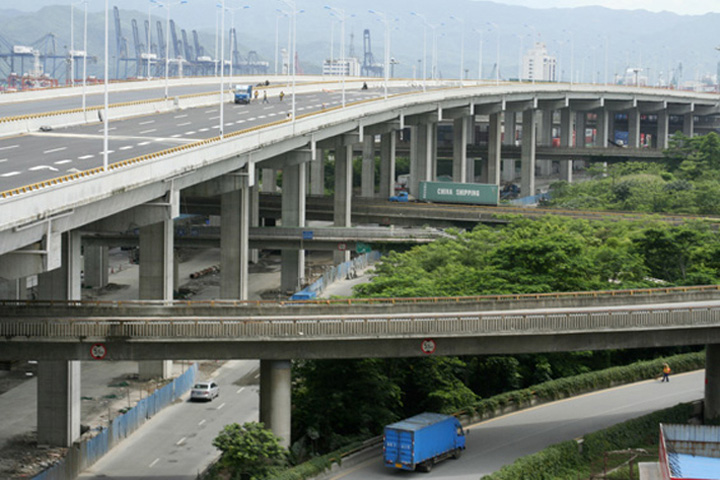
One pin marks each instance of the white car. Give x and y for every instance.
(205, 391)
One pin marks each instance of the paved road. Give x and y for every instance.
(31, 158)
(177, 442)
(501, 441)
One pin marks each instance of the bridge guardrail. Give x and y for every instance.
(645, 292)
(367, 326)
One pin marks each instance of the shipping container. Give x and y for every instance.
(421, 441)
(449, 192)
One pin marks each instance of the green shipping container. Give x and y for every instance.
(448, 192)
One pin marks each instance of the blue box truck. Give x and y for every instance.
(421, 441)
(243, 93)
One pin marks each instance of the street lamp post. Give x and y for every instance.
(341, 15)
(277, 37)
(84, 57)
(72, 41)
(222, 69)
(480, 52)
(167, 6)
(293, 45)
(424, 59)
(497, 51)
(384, 19)
(462, 46)
(105, 95)
(233, 34)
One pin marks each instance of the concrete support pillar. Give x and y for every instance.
(602, 129)
(611, 126)
(96, 266)
(546, 128)
(317, 173)
(580, 125)
(254, 255)
(527, 154)
(432, 146)
(64, 283)
(234, 240)
(421, 165)
(13, 289)
(157, 271)
(293, 215)
(367, 181)
(269, 180)
(58, 403)
(460, 141)
(343, 194)
(494, 149)
(510, 128)
(275, 398)
(689, 124)
(711, 409)
(663, 129)
(156, 261)
(508, 170)
(633, 118)
(387, 165)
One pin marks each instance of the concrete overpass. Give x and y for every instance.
(173, 151)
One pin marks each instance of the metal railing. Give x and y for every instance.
(556, 321)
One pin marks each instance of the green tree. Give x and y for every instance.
(249, 451)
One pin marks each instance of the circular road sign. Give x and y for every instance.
(428, 346)
(98, 351)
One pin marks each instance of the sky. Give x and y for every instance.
(682, 7)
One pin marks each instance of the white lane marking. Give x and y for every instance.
(43, 167)
(59, 162)
(271, 114)
(240, 121)
(3, 160)
(203, 130)
(8, 148)
(300, 108)
(142, 144)
(228, 124)
(126, 147)
(211, 111)
(268, 108)
(184, 124)
(148, 131)
(85, 157)
(262, 116)
(109, 129)
(244, 112)
(216, 126)
(214, 118)
(10, 174)
(108, 152)
(221, 405)
(181, 441)
(176, 135)
(251, 119)
(240, 389)
(147, 122)
(201, 422)
(53, 150)
(180, 116)
(154, 462)
(191, 132)
(257, 376)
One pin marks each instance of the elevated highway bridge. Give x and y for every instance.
(54, 190)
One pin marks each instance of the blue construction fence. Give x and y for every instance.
(344, 270)
(85, 453)
(532, 200)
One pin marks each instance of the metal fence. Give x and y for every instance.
(344, 270)
(560, 321)
(85, 453)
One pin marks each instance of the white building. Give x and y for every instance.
(335, 67)
(538, 65)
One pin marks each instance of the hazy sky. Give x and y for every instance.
(686, 7)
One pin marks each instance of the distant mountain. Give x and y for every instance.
(656, 42)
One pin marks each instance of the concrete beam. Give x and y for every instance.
(460, 141)
(64, 282)
(587, 105)
(494, 149)
(293, 215)
(58, 403)
(529, 141)
(275, 398)
(234, 241)
(367, 183)
(387, 164)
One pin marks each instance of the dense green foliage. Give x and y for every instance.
(553, 254)
(249, 451)
(687, 182)
(565, 461)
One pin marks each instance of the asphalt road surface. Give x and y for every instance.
(500, 441)
(31, 158)
(177, 442)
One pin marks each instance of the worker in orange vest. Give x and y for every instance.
(666, 373)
